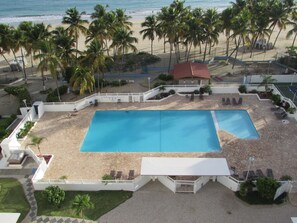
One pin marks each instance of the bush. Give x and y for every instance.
(165, 77)
(55, 195)
(207, 89)
(276, 99)
(20, 92)
(286, 178)
(68, 73)
(172, 91)
(157, 84)
(291, 110)
(47, 91)
(124, 82)
(25, 130)
(243, 189)
(242, 89)
(201, 90)
(267, 187)
(196, 92)
(53, 95)
(107, 177)
(115, 83)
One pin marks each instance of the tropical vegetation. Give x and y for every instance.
(181, 27)
(103, 202)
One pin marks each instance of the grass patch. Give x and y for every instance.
(103, 201)
(255, 198)
(12, 198)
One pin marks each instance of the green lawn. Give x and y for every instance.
(103, 201)
(12, 197)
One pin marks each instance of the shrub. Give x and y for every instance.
(242, 89)
(47, 91)
(276, 99)
(291, 110)
(243, 189)
(196, 92)
(157, 84)
(207, 89)
(55, 195)
(267, 187)
(201, 90)
(286, 178)
(165, 77)
(53, 95)
(107, 177)
(20, 92)
(115, 83)
(24, 131)
(124, 82)
(68, 73)
(172, 91)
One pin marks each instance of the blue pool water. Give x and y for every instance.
(158, 131)
(238, 123)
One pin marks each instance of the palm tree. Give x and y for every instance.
(293, 31)
(278, 17)
(83, 80)
(36, 141)
(49, 60)
(82, 202)
(212, 27)
(267, 80)
(26, 28)
(5, 32)
(95, 58)
(150, 29)
(226, 17)
(75, 24)
(64, 44)
(122, 19)
(123, 41)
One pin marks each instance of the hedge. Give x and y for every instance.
(20, 92)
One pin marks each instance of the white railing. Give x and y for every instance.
(229, 182)
(282, 78)
(167, 182)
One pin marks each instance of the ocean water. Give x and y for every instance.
(51, 11)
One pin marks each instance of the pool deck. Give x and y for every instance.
(276, 148)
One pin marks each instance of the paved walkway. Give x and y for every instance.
(212, 204)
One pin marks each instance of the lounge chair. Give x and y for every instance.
(112, 174)
(131, 175)
(259, 173)
(95, 103)
(223, 101)
(228, 102)
(234, 101)
(281, 115)
(119, 175)
(192, 97)
(239, 101)
(269, 173)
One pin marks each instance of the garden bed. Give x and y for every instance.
(254, 198)
(104, 201)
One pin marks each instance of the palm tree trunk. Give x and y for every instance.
(58, 92)
(164, 43)
(237, 47)
(209, 48)
(152, 46)
(76, 45)
(227, 43)
(200, 50)
(170, 55)
(189, 51)
(24, 66)
(43, 81)
(2, 54)
(205, 51)
(277, 36)
(270, 34)
(294, 40)
(253, 45)
(107, 48)
(123, 59)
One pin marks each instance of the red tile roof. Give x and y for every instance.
(190, 70)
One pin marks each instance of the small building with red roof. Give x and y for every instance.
(191, 73)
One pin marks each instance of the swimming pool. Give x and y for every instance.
(156, 131)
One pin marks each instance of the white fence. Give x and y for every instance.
(167, 182)
(229, 182)
(200, 182)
